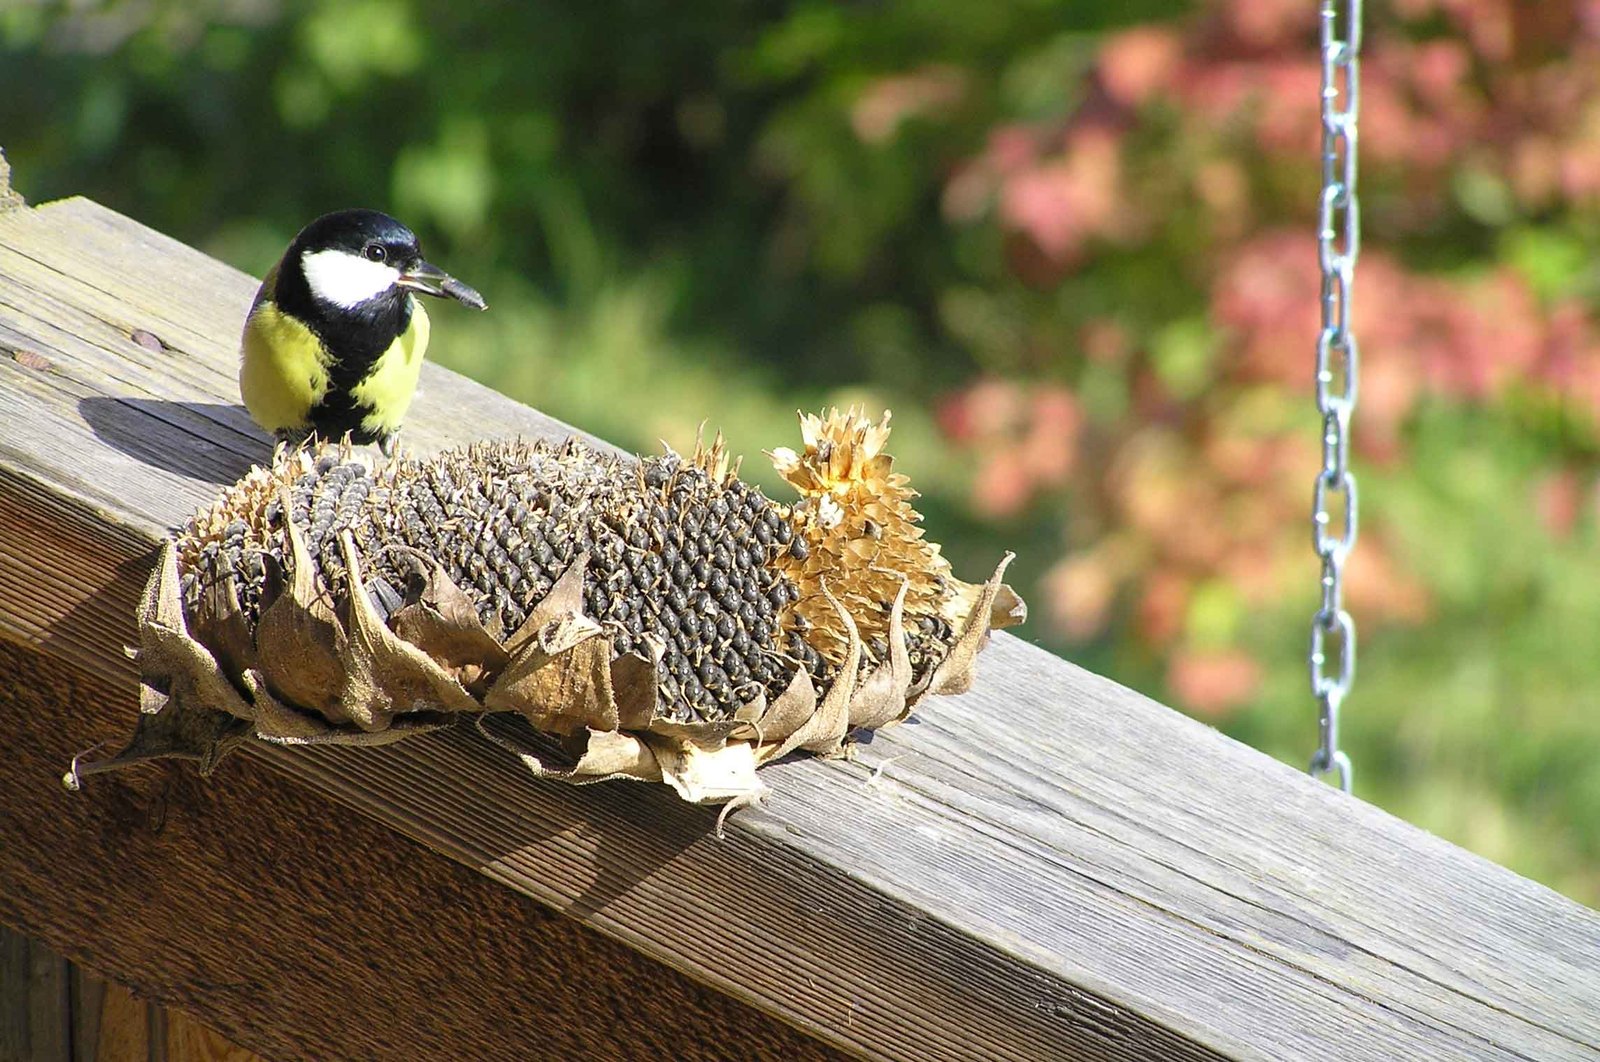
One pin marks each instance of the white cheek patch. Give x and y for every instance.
(346, 279)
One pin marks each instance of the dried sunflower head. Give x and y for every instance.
(655, 619)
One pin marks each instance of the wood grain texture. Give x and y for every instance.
(35, 1006)
(1050, 866)
(300, 930)
(56, 1011)
(188, 1040)
(13, 995)
(111, 1025)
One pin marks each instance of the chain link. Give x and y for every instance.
(1338, 361)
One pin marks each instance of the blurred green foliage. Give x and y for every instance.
(1068, 243)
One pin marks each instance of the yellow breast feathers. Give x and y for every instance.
(285, 368)
(389, 388)
(284, 372)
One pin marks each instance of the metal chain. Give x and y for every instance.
(1338, 357)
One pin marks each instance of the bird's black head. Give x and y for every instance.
(349, 275)
(352, 257)
(364, 261)
(369, 234)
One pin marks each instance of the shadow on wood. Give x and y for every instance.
(177, 436)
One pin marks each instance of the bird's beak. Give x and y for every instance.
(431, 280)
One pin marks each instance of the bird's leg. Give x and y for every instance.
(290, 438)
(389, 442)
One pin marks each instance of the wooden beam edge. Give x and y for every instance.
(647, 809)
(302, 929)
(639, 867)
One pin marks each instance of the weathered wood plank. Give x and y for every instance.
(55, 1011)
(13, 996)
(90, 1006)
(189, 1041)
(300, 930)
(125, 1023)
(1051, 866)
(35, 1003)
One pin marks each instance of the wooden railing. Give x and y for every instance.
(1051, 866)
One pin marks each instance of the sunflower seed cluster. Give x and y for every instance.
(928, 639)
(705, 552)
(322, 504)
(681, 563)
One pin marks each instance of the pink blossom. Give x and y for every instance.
(1163, 605)
(1050, 446)
(1081, 588)
(1288, 117)
(1105, 340)
(889, 102)
(1267, 24)
(1557, 498)
(1010, 150)
(1378, 589)
(1067, 200)
(1138, 63)
(992, 406)
(1213, 683)
(1003, 487)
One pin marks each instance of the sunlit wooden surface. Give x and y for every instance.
(1049, 866)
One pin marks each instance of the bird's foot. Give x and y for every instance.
(289, 439)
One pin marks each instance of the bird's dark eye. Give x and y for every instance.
(375, 252)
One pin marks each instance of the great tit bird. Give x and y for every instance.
(335, 338)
